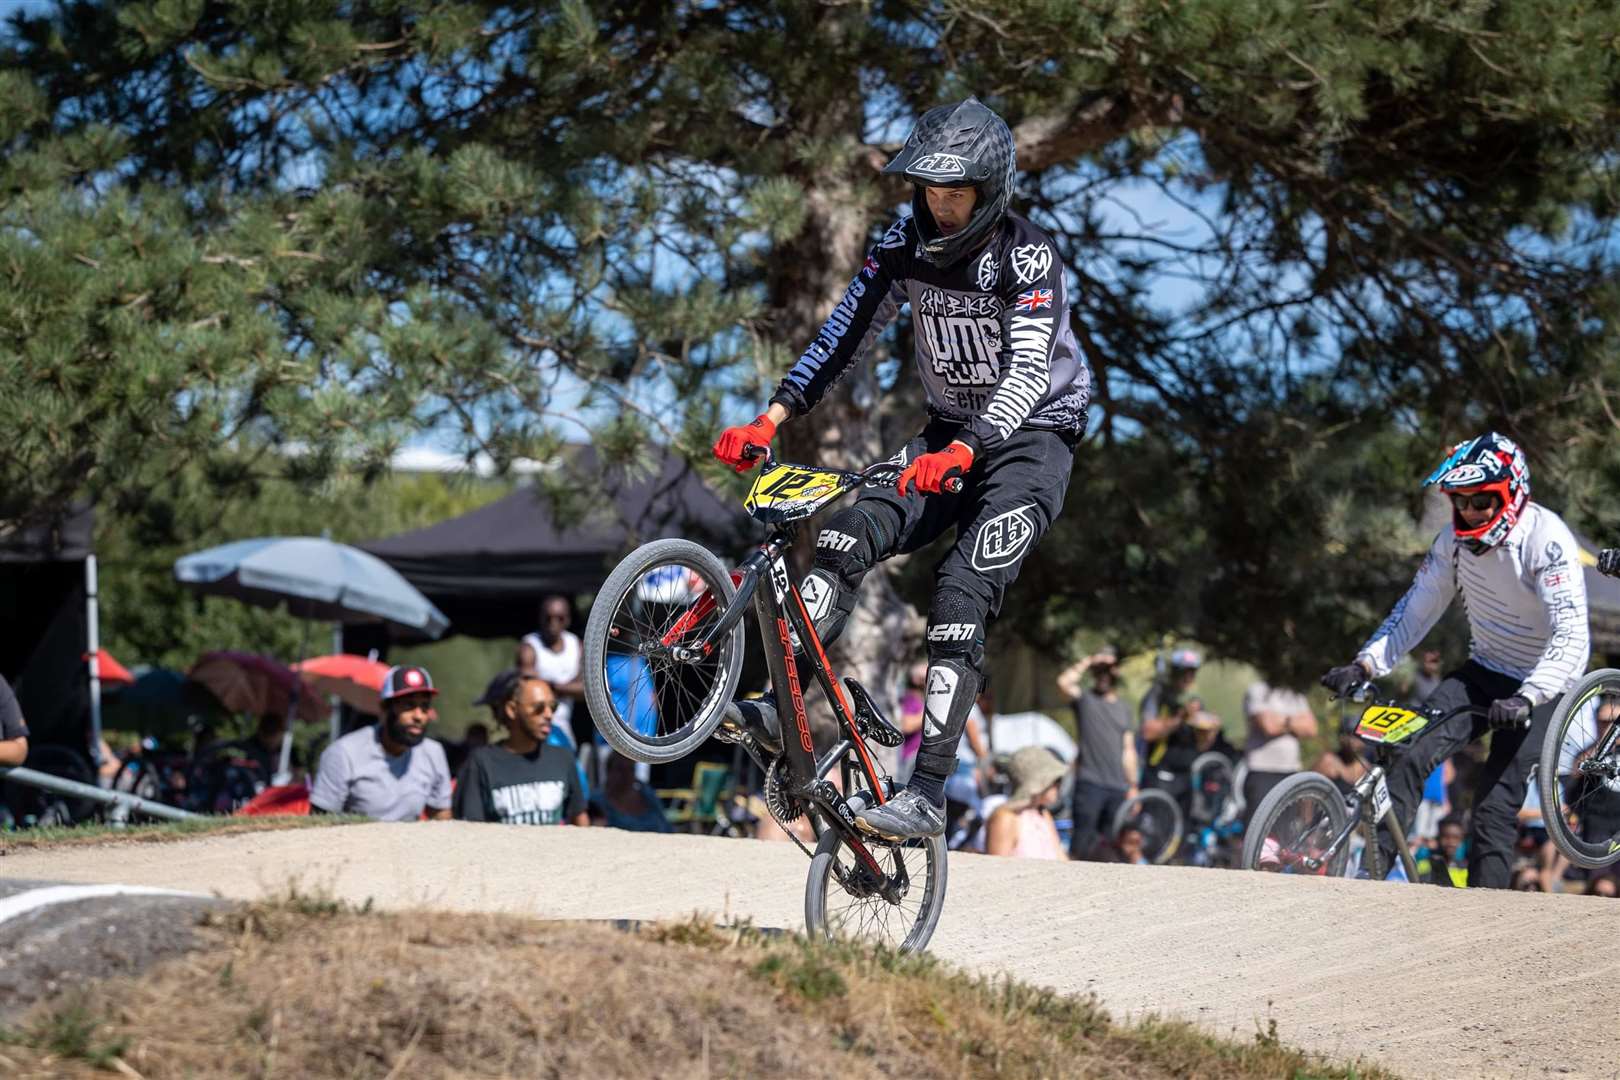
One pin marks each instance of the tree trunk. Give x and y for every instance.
(811, 274)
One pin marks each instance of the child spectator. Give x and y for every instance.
(625, 802)
(1022, 826)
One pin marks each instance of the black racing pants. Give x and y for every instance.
(1006, 504)
(1499, 790)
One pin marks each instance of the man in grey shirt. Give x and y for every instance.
(1107, 765)
(389, 770)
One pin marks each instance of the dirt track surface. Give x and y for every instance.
(1430, 982)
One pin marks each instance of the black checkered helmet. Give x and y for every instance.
(961, 145)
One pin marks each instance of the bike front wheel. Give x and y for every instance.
(1157, 814)
(651, 698)
(840, 904)
(1579, 773)
(1296, 821)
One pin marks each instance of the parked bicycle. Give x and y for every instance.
(1157, 815)
(1215, 829)
(663, 654)
(1305, 824)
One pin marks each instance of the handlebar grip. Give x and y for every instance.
(753, 451)
(952, 485)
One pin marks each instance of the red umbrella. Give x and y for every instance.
(110, 670)
(354, 679)
(284, 801)
(250, 683)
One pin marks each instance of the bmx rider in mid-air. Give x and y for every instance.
(1007, 391)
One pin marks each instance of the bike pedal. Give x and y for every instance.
(868, 720)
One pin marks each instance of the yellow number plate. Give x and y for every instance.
(1386, 724)
(783, 492)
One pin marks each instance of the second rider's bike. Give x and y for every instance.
(1304, 825)
(1579, 772)
(663, 655)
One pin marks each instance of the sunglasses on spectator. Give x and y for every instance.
(544, 707)
(1482, 500)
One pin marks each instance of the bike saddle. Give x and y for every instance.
(868, 720)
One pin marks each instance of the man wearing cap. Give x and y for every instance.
(390, 770)
(1106, 766)
(524, 780)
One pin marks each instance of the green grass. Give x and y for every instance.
(159, 832)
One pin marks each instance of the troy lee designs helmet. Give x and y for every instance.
(961, 145)
(1492, 464)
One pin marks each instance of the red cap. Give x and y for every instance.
(406, 680)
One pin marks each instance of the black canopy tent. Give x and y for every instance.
(44, 571)
(487, 569)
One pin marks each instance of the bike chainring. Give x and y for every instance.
(784, 806)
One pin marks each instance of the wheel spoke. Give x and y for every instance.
(666, 697)
(873, 918)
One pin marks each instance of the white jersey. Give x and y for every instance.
(562, 666)
(1526, 601)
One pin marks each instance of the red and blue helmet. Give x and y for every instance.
(1492, 464)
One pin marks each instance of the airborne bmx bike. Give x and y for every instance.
(663, 654)
(1304, 825)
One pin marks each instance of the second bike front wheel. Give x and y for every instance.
(1296, 820)
(838, 905)
(649, 701)
(1157, 814)
(1579, 772)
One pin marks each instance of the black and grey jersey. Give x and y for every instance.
(993, 343)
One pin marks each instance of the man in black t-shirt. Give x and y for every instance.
(13, 730)
(524, 780)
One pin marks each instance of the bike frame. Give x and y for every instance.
(783, 619)
(1360, 797)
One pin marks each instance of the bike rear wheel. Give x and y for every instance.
(650, 704)
(1579, 774)
(837, 906)
(1159, 817)
(1297, 819)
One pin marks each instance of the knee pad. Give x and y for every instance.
(951, 688)
(849, 546)
(850, 543)
(956, 629)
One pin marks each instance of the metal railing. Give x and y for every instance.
(131, 803)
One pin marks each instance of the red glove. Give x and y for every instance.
(931, 470)
(729, 447)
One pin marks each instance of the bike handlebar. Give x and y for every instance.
(753, 452)
(1363, 692)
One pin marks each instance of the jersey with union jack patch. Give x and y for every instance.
(991, 336)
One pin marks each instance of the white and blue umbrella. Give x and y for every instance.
(315, 579)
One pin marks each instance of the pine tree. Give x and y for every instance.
(1314, 243)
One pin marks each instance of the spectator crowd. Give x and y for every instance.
(527, 765)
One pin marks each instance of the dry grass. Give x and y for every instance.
(307, 988)
(164, 831)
